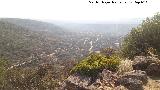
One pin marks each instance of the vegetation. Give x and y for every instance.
(3, 67)
(47, 76)
(17, 43)
(95, 63)
(35, 25)
(125, 66)
(143, 39)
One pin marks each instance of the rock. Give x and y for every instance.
(137, 74)
(133, 80)
(105, 81)
(153, 69)
(142, 62)
(108, 77)
(149, 64)
(76, 82)
(131, 84)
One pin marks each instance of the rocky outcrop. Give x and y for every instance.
(142, 62)
(149, 64)
(105, 81)
(133, 80)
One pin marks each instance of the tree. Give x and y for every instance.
(143, 38)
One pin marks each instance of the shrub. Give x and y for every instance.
(125, 66)
(140, 39)
(95, 63)
(108, 51)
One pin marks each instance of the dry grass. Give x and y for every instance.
(125, 66)
(152, 84)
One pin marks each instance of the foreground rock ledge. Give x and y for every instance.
(107, 80)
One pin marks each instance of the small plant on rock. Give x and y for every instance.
(95, 63)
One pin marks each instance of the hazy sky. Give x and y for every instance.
(73, 10)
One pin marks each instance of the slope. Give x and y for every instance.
(18, 43)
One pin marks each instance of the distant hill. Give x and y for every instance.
(20, 39)
(117, 28)
(120, 29)
(35, 25)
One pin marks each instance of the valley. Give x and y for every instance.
(46, 43)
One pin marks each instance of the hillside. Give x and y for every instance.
(18, 43)
(34, 54)
(23, 38)
(35, 25)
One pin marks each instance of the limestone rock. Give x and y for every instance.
(105, 81)
(142, 62)
(133, 80)
(149, 64)
(153, 69)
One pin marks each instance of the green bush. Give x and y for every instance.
(140, 39)
(95, 63)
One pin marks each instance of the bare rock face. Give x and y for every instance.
(133, 80)
(149, 64)
(105, 81)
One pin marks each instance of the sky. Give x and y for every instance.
(77, 10)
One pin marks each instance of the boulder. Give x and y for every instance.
(149, 64)
(131, 84)
(142, 62)
(133, 80)
(153, 69)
